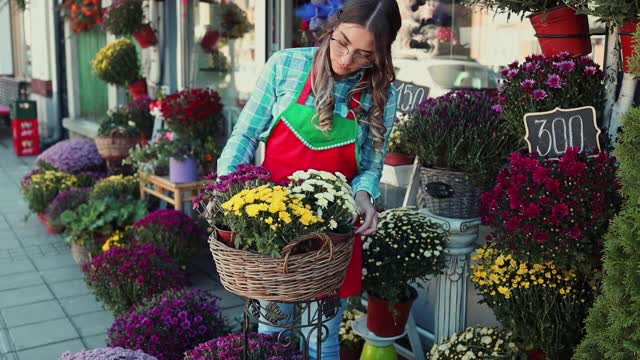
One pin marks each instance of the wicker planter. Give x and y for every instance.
(80, 253)
(449, 193)
(294, 277)
(115, 147)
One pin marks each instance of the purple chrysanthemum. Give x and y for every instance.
(72, 156)
(512, 73)
(539, 94)
(116, 353)
(590, 70)
(554, 81)
(566, 66)
(528, 84)
(497, 108)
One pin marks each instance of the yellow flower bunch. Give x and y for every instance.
(118, 239)
(116, 186)
(348, 338)
(498, 273)
(45, 186)
(117, 63)
(267, 217)
(397, 141)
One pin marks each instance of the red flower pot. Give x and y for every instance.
(226, 236)
(42, 217)
(209, 41)
(53, 229)
(146, 36)
(384, 323)
(138, 89)
(398, 159)
(626, 41)
(535, 355)
(560, 29)
(348, 354)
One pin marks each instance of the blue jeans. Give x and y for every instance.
(330, 347)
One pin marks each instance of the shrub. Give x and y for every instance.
(72, 156)
(117, 63)
(117, 186)
(170, 323)
(123, 276)
(171, 230)
(107, 354)
(69, 199)
(44, 187)
(229, 347)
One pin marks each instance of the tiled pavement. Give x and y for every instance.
(45, 306)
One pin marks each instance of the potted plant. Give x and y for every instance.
(72, 156)
(542, 83)
(399, 152)
(124, 276)
(560, 25)
(261, 346)
(126, 17)
(117, 63)
(141, 116)
(170, 323)
(351, 344)
(231, 20)
(82, 14)
(553, 209)
(192, 115)
(65, 200)
(43, 187)
(487, 342)
(118, 187)
(151, 158)
(117, 134)
(220, 191)
(542, 303)
(461, 143)
(174, 231)
(106, 354)
(406, 247)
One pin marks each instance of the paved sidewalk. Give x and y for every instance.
(45, 306)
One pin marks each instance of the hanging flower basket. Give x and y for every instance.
(114, 147)
(294, 277)
(626, 41)
(146, 36)
(560, 29)
(138, 89)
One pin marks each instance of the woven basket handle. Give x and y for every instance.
(288, 249)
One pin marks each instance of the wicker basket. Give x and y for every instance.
(295, 277)
(449, 193)
(79, 253)
(114, 147)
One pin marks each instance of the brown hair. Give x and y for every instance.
(382, 18)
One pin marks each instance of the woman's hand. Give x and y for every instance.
(368, 214)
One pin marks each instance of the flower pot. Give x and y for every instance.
(138, 89)
(209, 41)
(228, 237)
(53, 229)
(183, 171)
(560, 29)
(382, 321)
(398, 159)
(535, 355)
(80, 253)
(448, 193)
(626, 41)
(146, 36)
(42, 217)
(348, 354)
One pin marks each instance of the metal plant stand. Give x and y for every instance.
(298, 325)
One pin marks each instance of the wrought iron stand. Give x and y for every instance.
(300, 323)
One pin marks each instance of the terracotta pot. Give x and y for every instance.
(42, 217)
(138, 89)
(626, 41)
(398, 159)
(348, 354)
(560, 29)
(146, 36)
(384, 323)
(228, 237)
(53, 229)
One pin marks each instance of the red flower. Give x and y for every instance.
(532, 210)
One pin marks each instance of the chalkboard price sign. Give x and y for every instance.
(551, 133)
(409, 95)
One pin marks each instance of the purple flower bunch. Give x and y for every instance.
(224, 187)
(261, 347)
(69, 199)
(172, 230)
(123, 276)
(542, 83)
(116, 353)
(72, 156)
(170, 323)
(458, 131)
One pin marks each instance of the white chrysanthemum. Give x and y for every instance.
(469, 355)
(333, 224)
(486, 340)
(461, 348)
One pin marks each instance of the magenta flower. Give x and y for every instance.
(512, 73)
(554, 81)
(590, 70)
(497, 108)
(539, 94)
(528, 67)
(567, 65)
(528, 84)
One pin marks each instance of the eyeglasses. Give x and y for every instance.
(341, 49)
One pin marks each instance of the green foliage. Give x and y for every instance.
(149, 159)
(634, 60)
(119, 122)
(521, 7)
(614, 12)
(117, 186)
(124, 17)
(117, 63)
(99, 218)
(628, 154)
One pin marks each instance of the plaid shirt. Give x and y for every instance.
(276, 88)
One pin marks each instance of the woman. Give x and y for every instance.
(327, 108)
